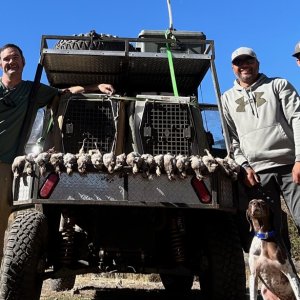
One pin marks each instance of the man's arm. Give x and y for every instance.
(102, 87)
(250, 177)
(234, 138)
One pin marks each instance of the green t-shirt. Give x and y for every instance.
(13, 107)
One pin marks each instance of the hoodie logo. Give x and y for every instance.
(242, 103)
(259, 100)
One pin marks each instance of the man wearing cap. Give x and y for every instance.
(263, 118)
(297, 53)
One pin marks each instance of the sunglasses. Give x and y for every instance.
(244, 61)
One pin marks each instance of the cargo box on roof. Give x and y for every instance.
(186, 41)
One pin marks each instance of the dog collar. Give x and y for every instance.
(265, 235)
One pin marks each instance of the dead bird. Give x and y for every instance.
(159, 163)
(120, 162)
(57, 161)
(209, 161)
(198, 166)
(182, 164)
(83, 159)
(109, 161)
(42, 160)
(135, 161)
(70, 160)
(229, 166)
(18, 164)
(29, 163)
(148, 164)
(96, 157)
(170, 165)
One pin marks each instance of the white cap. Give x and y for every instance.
(297, 50)
(242, 51)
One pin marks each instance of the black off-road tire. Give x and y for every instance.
(177, 283)
(23, 264)
(223, 275)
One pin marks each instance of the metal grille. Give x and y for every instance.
(92, 121)
(166, 127)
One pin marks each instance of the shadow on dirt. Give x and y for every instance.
(130, 294)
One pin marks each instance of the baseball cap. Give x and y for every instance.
(297, 50)
(242, 51)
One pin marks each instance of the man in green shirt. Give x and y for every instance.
(14, 99)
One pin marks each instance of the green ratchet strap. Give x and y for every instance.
(168, 35)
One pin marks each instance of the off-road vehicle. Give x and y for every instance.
(128, 215)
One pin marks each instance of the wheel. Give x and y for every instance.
(223, 271)
(177, 283)
(23, 263)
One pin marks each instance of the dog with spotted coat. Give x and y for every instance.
(269, 260)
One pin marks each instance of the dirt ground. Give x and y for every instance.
(123, 286)
(113, 287)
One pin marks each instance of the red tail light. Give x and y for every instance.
(201, 190)
(49, 185)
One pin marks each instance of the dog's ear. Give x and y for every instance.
(248, 218)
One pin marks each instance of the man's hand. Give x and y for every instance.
(251, 178)
(296, 172)
(106, 88)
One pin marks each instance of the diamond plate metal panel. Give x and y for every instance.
(146, 72)
(64, 68)
(83, 61)
(161, 189)
(157, 64)
(104, 187)
(62, 79)
(93, 186)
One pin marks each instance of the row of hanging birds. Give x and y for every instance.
(147, 164)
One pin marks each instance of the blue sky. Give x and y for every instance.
(269, 28)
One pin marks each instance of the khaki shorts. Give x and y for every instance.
(5, 200)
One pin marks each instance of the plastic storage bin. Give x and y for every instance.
(186, 42)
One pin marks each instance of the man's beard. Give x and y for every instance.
(249, 78)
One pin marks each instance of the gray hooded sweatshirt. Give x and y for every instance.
(264, 122)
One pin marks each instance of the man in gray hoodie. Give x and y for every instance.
(263, 117)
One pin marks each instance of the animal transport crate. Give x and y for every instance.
(166, 126)
(89, 120)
